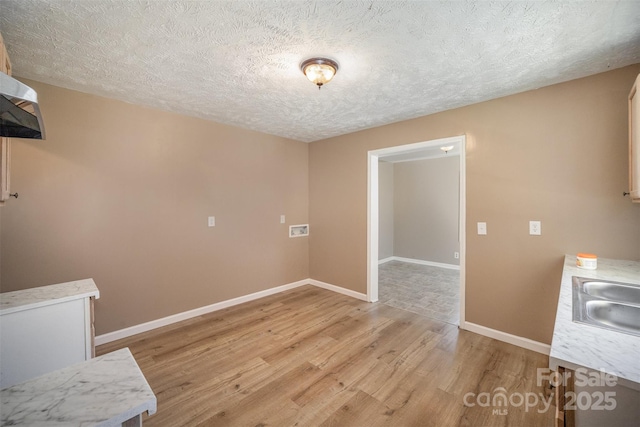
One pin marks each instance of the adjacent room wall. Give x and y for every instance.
(121, 193)
(426, 209)
(385, 210)
(557, 154)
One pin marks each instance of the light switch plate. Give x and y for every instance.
(282, 219)
(482, 228)
(211, 221)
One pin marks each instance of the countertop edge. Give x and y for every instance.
(116, 421)
(89, 289)
(69, 387)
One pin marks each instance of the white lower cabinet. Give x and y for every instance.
(45, 333)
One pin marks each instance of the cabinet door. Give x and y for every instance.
(41, 340)
(5, 169)
(634, 142)
(565, 417)
(5, 143)
(5, 64)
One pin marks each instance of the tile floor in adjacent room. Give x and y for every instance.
(432, 292)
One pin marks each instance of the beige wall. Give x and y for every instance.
(426, 209)
(385, 210)
(121, 193)
(557, 154)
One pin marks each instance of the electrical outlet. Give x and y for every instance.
(282, 220)
(456, 255)
(482, 228)
(535, 228)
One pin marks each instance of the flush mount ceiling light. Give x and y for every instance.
(319, 71)
(447, 148)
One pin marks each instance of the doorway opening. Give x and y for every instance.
(415, 272)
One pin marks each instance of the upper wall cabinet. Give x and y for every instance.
(5, 161)
(634, 142)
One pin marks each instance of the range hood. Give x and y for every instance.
(19, 112)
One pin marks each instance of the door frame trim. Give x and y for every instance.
(374, 156)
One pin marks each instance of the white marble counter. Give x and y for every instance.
(577, 345)
(11, 302)
(105, 391)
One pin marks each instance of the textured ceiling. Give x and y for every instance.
(236, 62)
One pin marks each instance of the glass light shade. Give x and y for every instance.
(319, 71)
(447, 148)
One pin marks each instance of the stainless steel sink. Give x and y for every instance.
(613, 291)
(610, 305)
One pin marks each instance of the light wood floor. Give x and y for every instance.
(311, 357)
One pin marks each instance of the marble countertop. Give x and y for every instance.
(11, 302)
(105, 391)
(577, 345)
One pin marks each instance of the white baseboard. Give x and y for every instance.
(422, 262)
(158, 323)
(508, 338)
(339, 290)
(382, 261)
